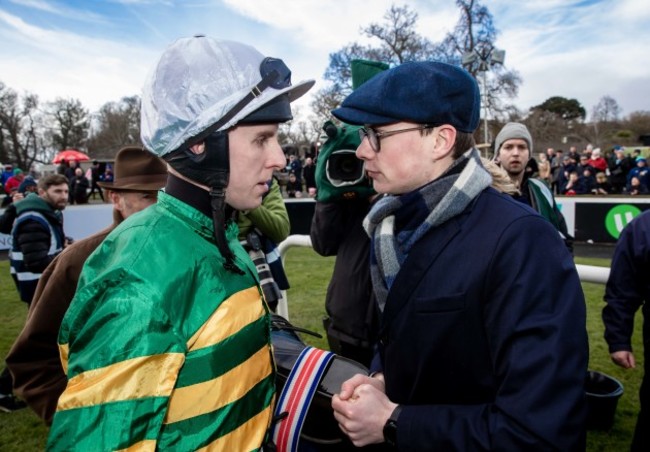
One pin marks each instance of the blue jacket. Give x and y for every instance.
(483, 338)
(643, 173)
(628, 286)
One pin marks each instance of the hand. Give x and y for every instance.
(362, 409)
(348, 387)
(624, 358)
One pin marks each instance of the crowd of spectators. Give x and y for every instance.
(298, 179)
(591, 173)
(569, 173)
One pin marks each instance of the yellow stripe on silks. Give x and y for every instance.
(64, 352)
(141, 446)
(208, 396)
(247, 437)
(237, 311)
(126, 380)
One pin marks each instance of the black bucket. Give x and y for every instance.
(603, 393)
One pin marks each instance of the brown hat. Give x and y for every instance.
(137, 169)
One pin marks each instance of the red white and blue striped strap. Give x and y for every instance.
(296, 397)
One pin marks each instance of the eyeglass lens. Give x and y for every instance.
(372, 137)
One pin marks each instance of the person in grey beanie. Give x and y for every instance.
(513, 148)
(510, 131)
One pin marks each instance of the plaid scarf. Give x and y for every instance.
(414, 213)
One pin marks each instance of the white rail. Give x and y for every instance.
(587, 273)
(283, 247)
(590, 273)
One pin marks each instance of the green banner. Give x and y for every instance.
(619, 217)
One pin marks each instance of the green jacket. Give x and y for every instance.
(164, 348)
(541, 199)
(271, 218)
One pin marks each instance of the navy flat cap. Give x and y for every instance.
(422, 92)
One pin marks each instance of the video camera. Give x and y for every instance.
(339, 173)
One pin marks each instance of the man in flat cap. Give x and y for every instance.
(167, 342)
(34, 358)
(480, 346)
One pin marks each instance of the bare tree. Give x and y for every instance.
(606, 110)
(639, 122)
(299, 132)
(398, 42)
(475, 33)
(604, 118)
(117, 124)
(21, 139)
(69, 124)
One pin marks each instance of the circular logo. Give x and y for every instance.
(619, 217)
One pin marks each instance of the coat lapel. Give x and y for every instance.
(422, 256)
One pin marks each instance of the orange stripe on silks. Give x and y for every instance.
(64, 352)
(141, 446)
(208, 396)
(147, 376)
(247, 437)
(239, 310)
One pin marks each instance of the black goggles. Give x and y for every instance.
(278, 74)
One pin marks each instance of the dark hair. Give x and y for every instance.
(53, 179)
(464, 141)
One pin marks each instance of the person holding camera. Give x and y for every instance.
(344, 195)
(337, 230)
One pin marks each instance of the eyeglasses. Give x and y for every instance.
(374, 136)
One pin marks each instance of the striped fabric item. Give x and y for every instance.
(417, 212)
(163, 348)
(297, 395)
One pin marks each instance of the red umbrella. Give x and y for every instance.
(70, 154)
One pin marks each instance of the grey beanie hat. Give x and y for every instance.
(513, 130)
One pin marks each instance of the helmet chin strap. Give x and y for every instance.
(211, 168)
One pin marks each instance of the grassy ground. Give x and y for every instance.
(308, 274)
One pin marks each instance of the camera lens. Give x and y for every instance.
(344, 168)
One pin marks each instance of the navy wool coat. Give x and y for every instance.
(483, 337)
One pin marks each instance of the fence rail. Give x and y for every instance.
(587, 273)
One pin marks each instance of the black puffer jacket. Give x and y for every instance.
(37, 239)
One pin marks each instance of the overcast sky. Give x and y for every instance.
(101, 50)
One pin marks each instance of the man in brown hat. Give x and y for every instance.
(34, 358)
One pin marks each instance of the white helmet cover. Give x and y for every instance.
(195, 83)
